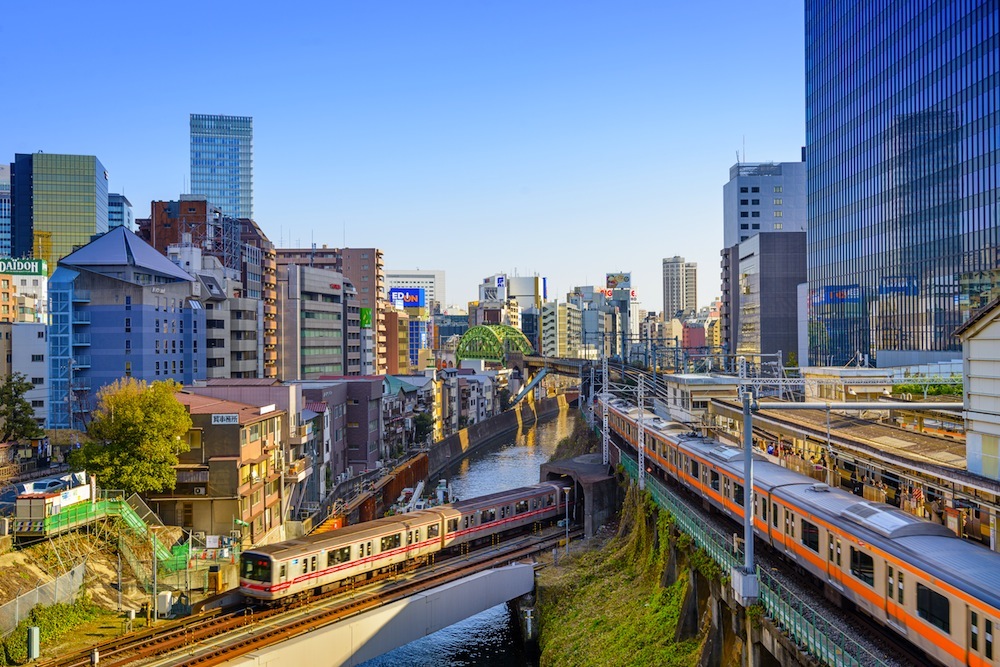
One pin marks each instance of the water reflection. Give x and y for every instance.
(488, 639)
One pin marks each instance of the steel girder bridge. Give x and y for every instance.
(493, 342)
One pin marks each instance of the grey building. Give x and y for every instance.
(120, 212)
(763, 197)
(680, 287)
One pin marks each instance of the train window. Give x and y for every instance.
(989, 639)
(694, 469)
(305, 566)
(550, 500)
(738, 493)
(862, 566)
(465, 522)
(433, 531)
(829, 540)
(452, 525)
(521, 507)
(312, 563)
(899, 583)
(838, 565)
(715, 480)
(487, 516)
(935, 608)
(763, 508)
(283, 572)
(973, 631)
(338, 556)
(255, 567)
(890, 587)
(774, 514)
(409, 537)
(390, 542)
(810, 535)
(725, 486)
(368, 548)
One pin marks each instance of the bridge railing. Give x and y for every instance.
(793, 615)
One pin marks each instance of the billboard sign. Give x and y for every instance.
(905, 285)
(410, 297)
(26, 267)
(366, 318)
(842, 294)
(619, 281)
(229, 418)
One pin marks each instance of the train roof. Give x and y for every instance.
(494, 498)
(361, 531)
(968, 566)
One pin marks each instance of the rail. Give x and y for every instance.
(793, 615)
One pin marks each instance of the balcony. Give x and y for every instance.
(299, 469)
(81, 296)
(81, 317)
(81, 340)
(81, 361)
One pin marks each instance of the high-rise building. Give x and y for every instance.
(120, 212)
(4, 210)
(222, 162)
(680, 287)
(903, 228)
(763, 197)
(561, 330)
(431, 281)
(58, 203)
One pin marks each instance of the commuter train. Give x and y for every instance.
(355, 553)
(916, 577)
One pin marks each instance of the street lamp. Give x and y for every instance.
(566, 490)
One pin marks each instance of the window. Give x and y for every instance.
(694, 469)
(37, 381)
(433, 531)
(774, 515)
(41, 334)
(38, 404)
(862, 566)
(744, 190)
(745, 226)
(934, 608)
(38, 357)
(973, 631)
(777, 226)
(452, 525)
(391, 542)
(755, 189)
(715, 480)
(777, 189)
(890, 587)
(777, 201)
(755, 202)
(989, 639)
(744, 214)
(744, 202)
(756, 225)
(777, 214)
(899, 584)
(810, 535)
(755, 214)
(738, 494)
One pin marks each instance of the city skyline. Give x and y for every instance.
(431, 131)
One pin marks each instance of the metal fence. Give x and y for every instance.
(62, 589)
(793, 615)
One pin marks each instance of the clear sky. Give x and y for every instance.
(563, 138)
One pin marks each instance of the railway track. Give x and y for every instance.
(216, 636)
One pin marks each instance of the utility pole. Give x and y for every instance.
(605, 436)
(641, 437)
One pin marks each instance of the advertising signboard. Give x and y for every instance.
(366, 318)
(619, 281)
(26, 267)
(411, 297)
(905, 285)
(842, 294)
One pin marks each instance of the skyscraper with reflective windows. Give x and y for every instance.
(222, 162)
(902, 176)
(4, 210)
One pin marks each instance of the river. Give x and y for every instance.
(488, 639)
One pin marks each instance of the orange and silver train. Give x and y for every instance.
(916, 577)
(355, 553)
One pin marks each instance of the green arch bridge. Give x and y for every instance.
(493, 342)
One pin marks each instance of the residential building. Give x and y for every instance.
(598, 320)
(561, 330)
(58, 203)
(397, 325)
(763, 197)
(231, 477)
(120, 212)
(119, 309)
(222, 162)
(399, 405)
(364, 420)
(431, 281)
(260, 266)
(771, 266)
(729, 312)
(23, 349)
(365, 269)
(4, 210)
(903, 227)
(680, 287)
(24, 294)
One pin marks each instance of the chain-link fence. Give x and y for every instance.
(62, 589)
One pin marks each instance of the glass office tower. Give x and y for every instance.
(902, 152)
(222, 162)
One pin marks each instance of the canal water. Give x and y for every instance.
(488, 639)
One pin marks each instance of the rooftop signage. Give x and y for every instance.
(29, 267)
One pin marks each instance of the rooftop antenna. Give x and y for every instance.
(744, 148)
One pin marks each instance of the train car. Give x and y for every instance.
(913, 576)
(350, 554)
(355, 553)
(477, 519)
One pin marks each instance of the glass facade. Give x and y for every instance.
(58, 203)
(222, 162)
(902, 104)
(120, 212)
(4, 210)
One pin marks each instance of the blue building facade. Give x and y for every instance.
(119, 308)
(222, 162)
(902, 152)
(120, 212)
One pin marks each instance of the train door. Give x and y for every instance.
(282, 577)
(895, 597)
(833, 559)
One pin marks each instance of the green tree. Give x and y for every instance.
(425, 425)
(135, 436)
(16, 412)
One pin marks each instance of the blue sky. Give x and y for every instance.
(567, 139)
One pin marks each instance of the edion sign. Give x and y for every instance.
(411, 297)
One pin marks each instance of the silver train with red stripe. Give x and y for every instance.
(913, 576)
(355, 553)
